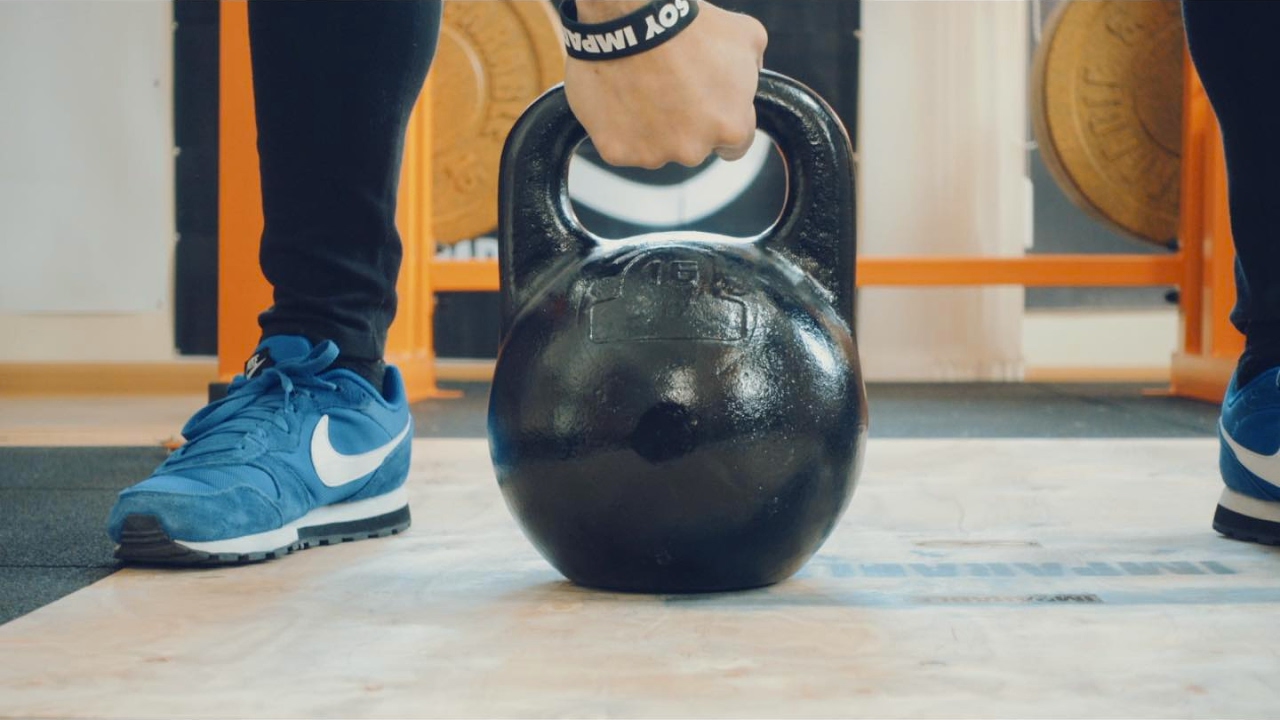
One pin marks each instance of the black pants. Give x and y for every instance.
(334, 83)
(1236, 53)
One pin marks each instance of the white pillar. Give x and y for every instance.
(86, 181)
(942, 170)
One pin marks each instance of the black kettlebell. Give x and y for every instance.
(678, 412)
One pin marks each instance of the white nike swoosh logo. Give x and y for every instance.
(254, 363)
(1266, 467)
(335, 469)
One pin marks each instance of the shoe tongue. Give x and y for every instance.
(276, 349)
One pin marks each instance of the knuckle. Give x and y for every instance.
(737, 134)
(759, 36)
(692, 155)
(739, 131)
(730, 154)
(645, 160)
(606, 152)
(613, 153)
(649, 162)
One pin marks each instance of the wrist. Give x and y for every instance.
(598, 11)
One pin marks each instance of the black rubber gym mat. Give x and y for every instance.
(924, 410)
(53, 511)
(1034, 410)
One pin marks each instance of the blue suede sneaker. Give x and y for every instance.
(297, 454)
(1249, 432)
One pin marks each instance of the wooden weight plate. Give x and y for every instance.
(1106, 105)
(493, 59)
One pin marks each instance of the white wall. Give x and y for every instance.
(1111, 339)
(86, 180)
(942, 147)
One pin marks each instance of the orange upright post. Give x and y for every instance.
(242, 290)
(411, 339)
(1210, 345)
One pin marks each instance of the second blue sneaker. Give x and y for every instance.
(298, 453)
(1249, 432)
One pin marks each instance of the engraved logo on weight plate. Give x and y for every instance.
(492, 60)
(1129, 110)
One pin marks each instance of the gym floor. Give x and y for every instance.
(1026, 550)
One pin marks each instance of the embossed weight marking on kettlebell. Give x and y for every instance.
(667, 296)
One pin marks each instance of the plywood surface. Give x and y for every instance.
(973, 578)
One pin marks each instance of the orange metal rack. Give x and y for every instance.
(1201, 268)
(1210, 345)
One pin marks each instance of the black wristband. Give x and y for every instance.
(642, 30)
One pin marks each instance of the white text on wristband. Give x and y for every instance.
(637, 32)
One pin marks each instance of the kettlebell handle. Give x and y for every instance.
(538, 231)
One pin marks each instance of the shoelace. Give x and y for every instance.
(251, 405)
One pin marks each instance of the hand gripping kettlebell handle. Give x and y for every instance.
(537, 229)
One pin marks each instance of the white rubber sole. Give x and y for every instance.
(1241, 517)
(1251, 507)
(291, 534)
